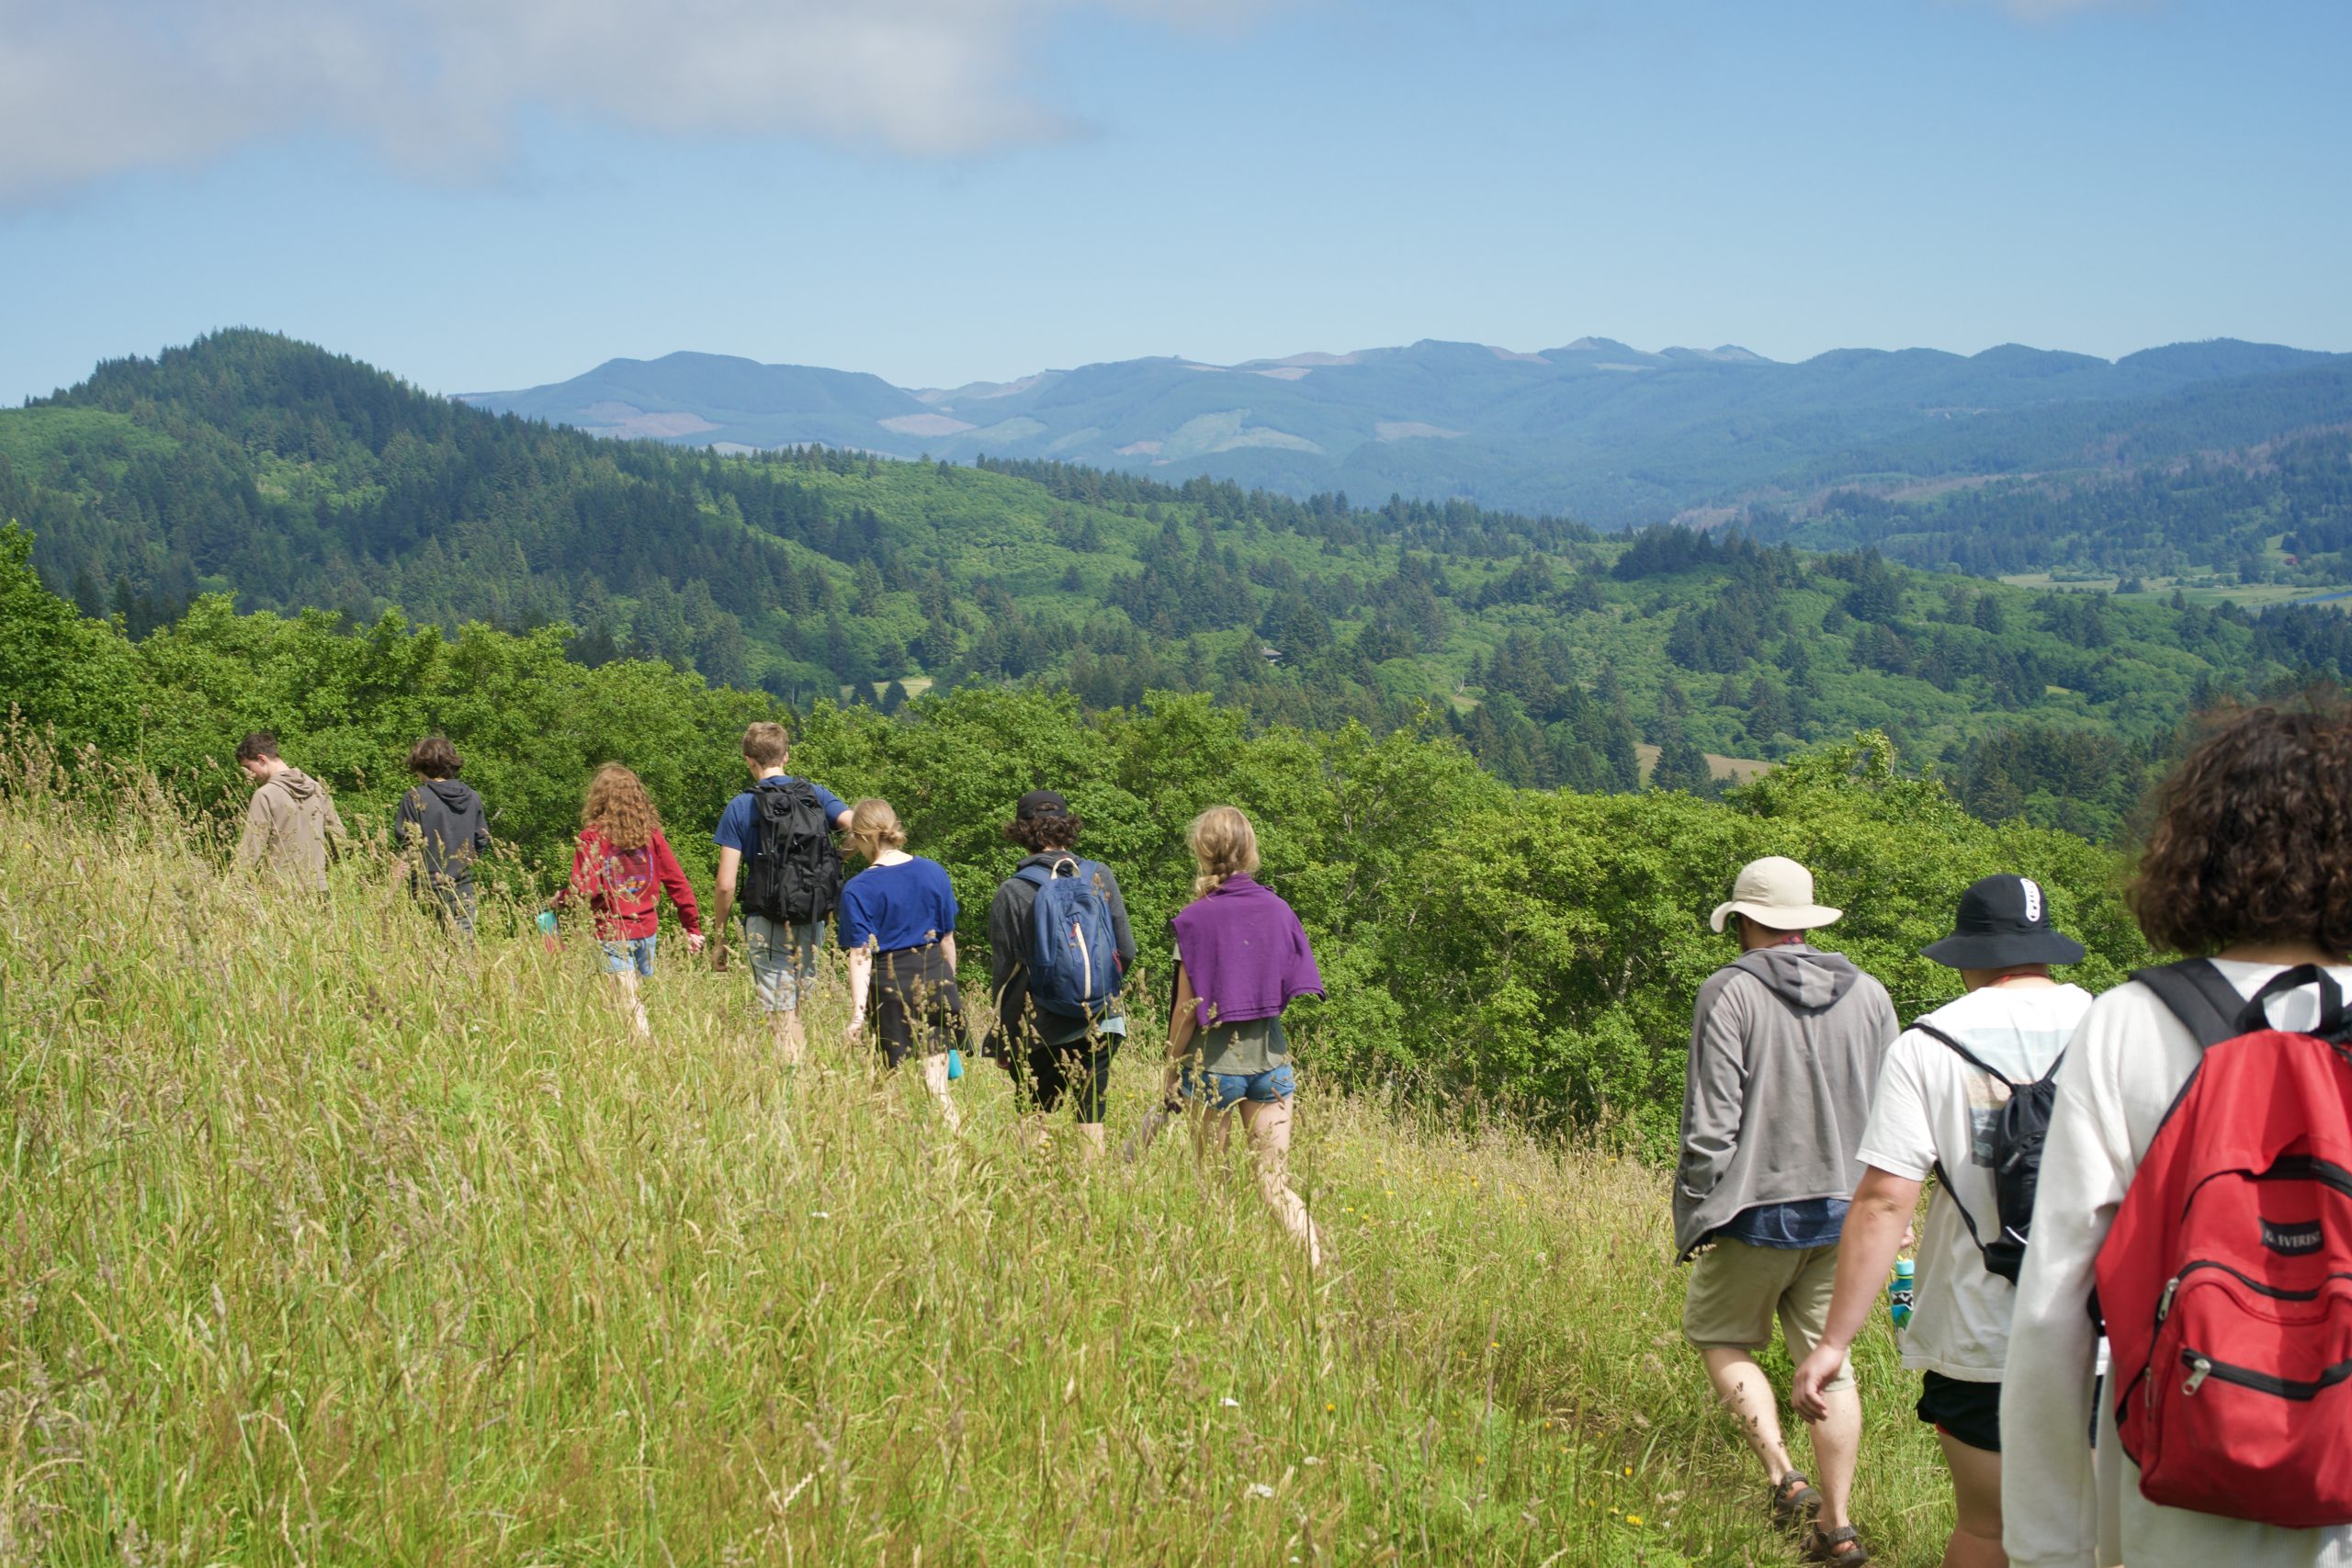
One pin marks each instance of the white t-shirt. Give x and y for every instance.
(2059, 1506)
(1933, 1107)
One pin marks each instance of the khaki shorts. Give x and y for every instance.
(1737, 1290)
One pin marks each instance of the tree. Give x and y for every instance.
(1681, 765)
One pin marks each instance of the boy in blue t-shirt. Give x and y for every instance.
(783, 955)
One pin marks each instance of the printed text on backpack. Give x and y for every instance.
(2226, 1281)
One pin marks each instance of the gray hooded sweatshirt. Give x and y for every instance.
(1785, 1056)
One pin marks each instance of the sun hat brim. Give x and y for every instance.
(1994, 950)
(1779, 916)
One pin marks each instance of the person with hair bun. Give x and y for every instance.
(621, 866)
(897, 921)
(1241, 958)
(2249, 865)
(441, 831)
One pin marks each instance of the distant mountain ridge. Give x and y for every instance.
(1595, 428)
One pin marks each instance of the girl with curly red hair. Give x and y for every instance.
(621, 866)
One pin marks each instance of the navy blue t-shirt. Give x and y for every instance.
(910, 904)
(738, 825)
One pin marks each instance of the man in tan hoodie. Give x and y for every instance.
(292, 825)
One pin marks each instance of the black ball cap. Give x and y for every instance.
(2003, 921)
(1041, 802)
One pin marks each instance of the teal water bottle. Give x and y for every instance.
(1898, 1292)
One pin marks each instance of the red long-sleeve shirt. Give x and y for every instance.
(624, 886)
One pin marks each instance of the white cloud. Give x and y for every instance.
(90, 88)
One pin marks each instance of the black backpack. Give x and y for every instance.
(796, 876)
(2018, 1138)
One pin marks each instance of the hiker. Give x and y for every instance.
(1058, 1018)
(291, 825)
(622, 865)
(783, 828)
(1961, 1096)
(1241, 958)
(2249, 864)
(1785, 1046)
(897, 921)
(441, 832)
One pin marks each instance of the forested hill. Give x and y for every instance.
(294, 478)
(2279, 512)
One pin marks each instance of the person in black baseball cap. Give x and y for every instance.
(1058, 1018)
(1940, 1111)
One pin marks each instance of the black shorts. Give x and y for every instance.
(1965, 1412)
(915, 1005)
(1045, 1073)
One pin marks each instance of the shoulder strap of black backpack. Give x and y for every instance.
(1964, 1053)
(2198, 996)
(1944, 1178)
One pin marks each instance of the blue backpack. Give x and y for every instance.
(1073, 957)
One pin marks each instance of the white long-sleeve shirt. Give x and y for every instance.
(2060, 1507)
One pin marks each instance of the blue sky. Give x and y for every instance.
(488, 194)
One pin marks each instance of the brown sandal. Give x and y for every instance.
(1825, 1546)
(1794, 1500)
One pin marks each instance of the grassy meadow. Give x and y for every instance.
(325, 1242)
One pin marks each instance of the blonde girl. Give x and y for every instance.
(897, 921)
(1241, 956)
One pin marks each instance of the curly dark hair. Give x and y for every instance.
(2252, 838)
(1038, 834)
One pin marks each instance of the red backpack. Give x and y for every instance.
(2226, 1282)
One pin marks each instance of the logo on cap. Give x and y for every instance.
(2032, 900)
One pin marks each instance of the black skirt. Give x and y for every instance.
(915, 1008)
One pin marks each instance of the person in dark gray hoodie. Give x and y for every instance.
(1785, 1048)
(441, 832)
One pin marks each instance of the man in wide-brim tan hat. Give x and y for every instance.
(1776, 893)
(1785, 1048)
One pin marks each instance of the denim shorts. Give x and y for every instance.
(633, 955)
(783, 959)
(1226, 1091)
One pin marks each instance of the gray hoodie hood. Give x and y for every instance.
(1800, 975)
(453, 794)
(297, 783)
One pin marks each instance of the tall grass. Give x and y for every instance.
(325, 1242)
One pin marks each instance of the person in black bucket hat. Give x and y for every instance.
(2004, 922)
(1940, 1111)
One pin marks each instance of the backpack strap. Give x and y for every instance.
(2330, 1026)
(1943, 1176)
(1943, 1180)
(1965, 1055)
(2196, 994)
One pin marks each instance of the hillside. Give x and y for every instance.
(295, 478)
(1607, 433)
(328, 1250)
(2276, 513)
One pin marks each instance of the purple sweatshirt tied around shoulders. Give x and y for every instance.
(1246, 953)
